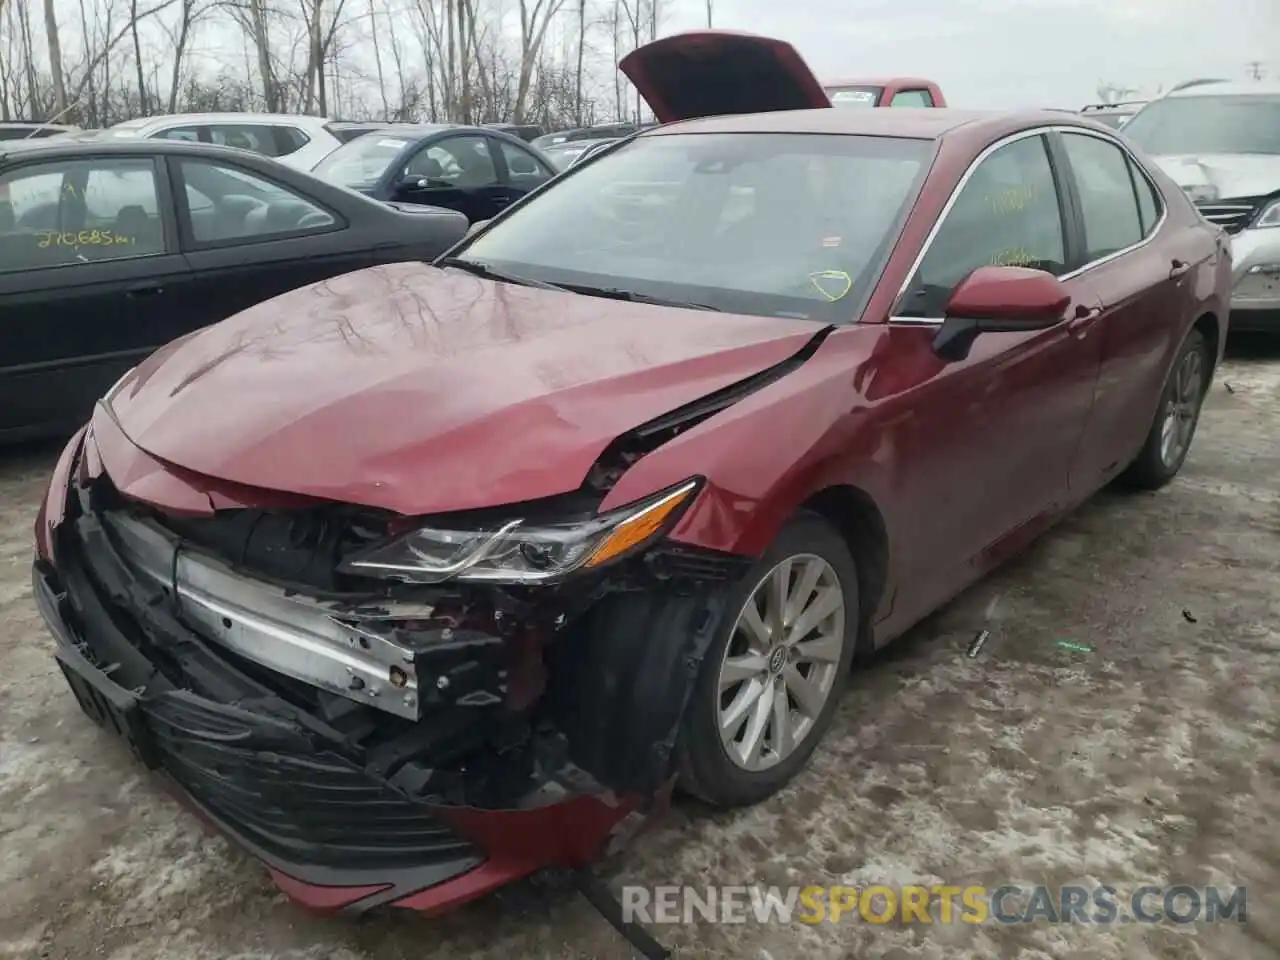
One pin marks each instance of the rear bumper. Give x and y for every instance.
(333, 831)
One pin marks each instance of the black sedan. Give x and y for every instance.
(111, 249)
(475, 170)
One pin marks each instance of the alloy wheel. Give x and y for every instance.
(781, 662)
(1182, 408)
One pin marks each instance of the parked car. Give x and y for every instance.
(1221, 143)
(887, 92)
(109, 250)
(593, 147)
(1113, 115)
(564, 155)
(525, 131)
(426, 577)
(599, 132)
(32, 130)
(294, 140)
(474, 170)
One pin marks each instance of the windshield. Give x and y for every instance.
(773, 224)
(1201, 125)
(361, 163)
(859, 96)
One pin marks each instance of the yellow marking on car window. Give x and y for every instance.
(832, 284)
(1012, 200)
(82, 238)
(1013, 258)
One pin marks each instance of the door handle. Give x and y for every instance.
(144, 290)
(1178, 268)
(1082, 319)
(503, 201)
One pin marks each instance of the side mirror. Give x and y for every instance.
(999, 300)
(477, 227)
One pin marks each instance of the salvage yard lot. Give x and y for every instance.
(1151, 759)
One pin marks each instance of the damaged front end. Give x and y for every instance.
(387, 713)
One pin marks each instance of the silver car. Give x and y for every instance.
(1221, 143)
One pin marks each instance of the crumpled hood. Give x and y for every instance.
(1233, 175)
(421, 390)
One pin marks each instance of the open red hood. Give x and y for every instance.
(706, 73)
(421, 390)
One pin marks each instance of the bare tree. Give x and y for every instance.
(55, 56)
(535, 17)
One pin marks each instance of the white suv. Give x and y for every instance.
(299, 141)
(1220, 141)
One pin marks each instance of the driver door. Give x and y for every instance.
(991, 438)
(458, 173)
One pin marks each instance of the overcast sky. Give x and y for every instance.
(1010, 53)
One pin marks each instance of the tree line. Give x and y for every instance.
(98, 62)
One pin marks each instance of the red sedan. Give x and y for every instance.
(423, 578)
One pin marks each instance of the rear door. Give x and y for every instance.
(1143, 286)
(248, 238)
(90, 281)
(707, 73)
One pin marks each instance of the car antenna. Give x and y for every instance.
(597, 893)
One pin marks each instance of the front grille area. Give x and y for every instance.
(264, 781)
(1231, 215)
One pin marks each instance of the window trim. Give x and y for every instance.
(164, 207)
(1071, 202)
(182, 212)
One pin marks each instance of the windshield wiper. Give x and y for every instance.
(613, 293)
(481, 269)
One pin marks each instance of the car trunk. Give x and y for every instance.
(714, 72)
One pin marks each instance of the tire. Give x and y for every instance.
(1157, 462)
(706, 768)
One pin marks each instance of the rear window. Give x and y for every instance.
(854, 96)
(772, 224)
(1206, 125)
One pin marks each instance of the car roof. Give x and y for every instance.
(919, 124)
(1227, 88)
(877, 82)
(140, 123)
(98, 147)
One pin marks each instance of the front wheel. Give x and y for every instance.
(770, 681)
(1169, 439)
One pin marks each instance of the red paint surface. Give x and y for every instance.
(421, 391)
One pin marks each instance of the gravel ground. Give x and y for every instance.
(1150, 759)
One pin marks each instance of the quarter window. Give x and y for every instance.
(912, 98)
(1007, 214)
(1108, 202)
(82, 211)
(1149, 202)
(259, 139)
(229, 205)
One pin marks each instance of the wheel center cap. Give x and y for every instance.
(777, 659)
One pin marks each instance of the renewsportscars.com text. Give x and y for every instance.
(918, 903)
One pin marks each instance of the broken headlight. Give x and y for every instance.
(520, 552)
